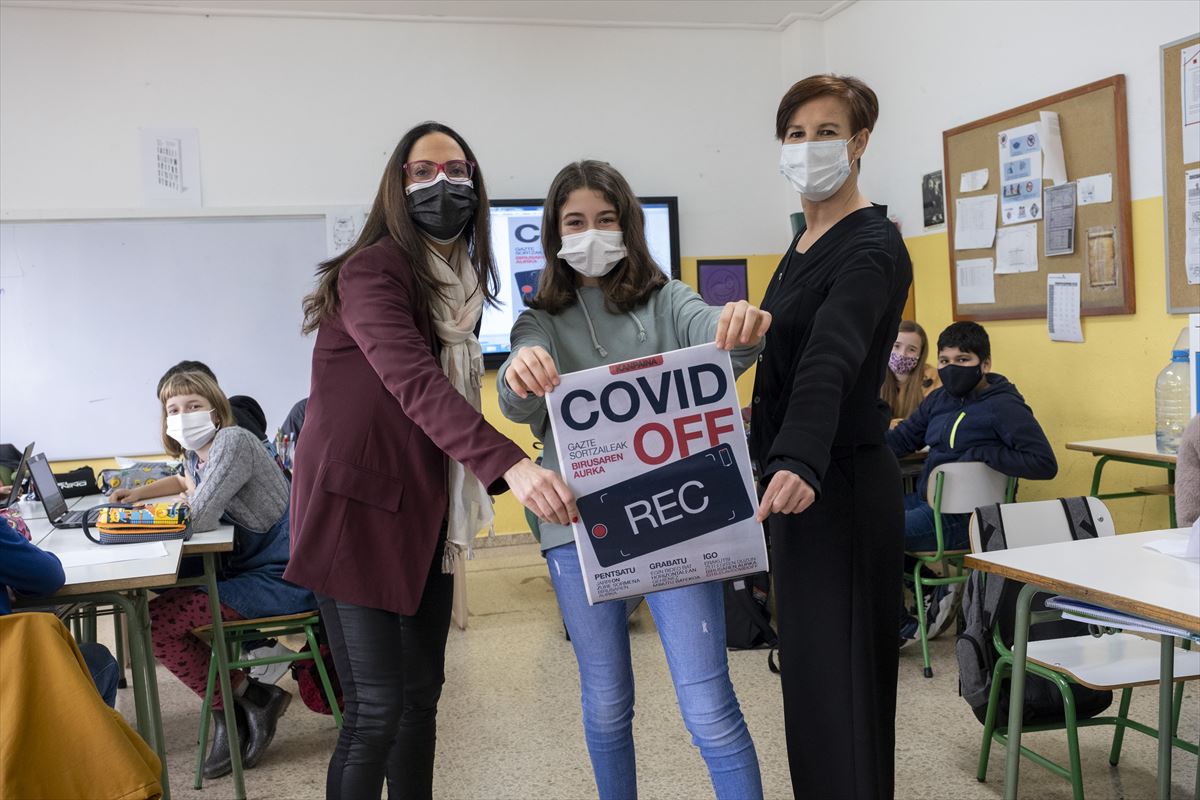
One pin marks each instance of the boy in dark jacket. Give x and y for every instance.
(977, 415)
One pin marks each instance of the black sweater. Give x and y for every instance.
(836, 311)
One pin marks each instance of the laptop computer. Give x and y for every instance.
(18, 477)
(52, 498)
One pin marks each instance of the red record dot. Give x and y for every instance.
(599, 531)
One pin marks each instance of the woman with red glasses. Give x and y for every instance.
(393, 475)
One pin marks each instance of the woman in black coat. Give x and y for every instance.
(832, 494)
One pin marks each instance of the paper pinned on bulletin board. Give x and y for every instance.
(973, 181)
(1062, 307)
(1060, 220)
(1192, 225)
(1016, 249)
(974, 222)
(171, 167)
(1054, 168)
(975, 282)
(1020, 174)
(1189, 84)
(343, 225)
(1095, 189)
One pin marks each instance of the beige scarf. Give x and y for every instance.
(454, 318)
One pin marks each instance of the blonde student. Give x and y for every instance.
(909, 378)
(602, 299)
(229, 478)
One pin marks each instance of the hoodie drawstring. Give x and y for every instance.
(591, 328)
(638, 322)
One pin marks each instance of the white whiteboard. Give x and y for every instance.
(92, 312)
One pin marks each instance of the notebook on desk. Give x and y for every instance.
(52, 497)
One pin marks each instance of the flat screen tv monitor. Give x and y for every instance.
(517, 244)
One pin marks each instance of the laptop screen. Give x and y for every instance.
(18, 477)
(47, 487)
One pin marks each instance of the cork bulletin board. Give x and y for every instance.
(1095, 141)
(1182, 297)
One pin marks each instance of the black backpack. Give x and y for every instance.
(991, 600)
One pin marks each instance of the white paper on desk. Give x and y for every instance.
(1060, 220)
(1189, 89)
(1095, 189)
(1016, 249)
(1062, 307)
(1054, 166)
(1191, 257)
(974, 222)
(973, 181)
(1188, 549)
(975, 282)
(111, 554)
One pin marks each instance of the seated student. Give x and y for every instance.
(909, 378)
(27, 569)
(228, 477)
(246, 411)
(977, 415)
(295, 421)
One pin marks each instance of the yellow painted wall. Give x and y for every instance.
(1099, 389)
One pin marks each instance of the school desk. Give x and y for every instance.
(1140, 450)
(1117, 572)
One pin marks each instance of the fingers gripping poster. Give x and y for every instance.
(655, 452)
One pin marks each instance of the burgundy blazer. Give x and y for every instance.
(369, 474)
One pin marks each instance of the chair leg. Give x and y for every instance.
(1070, 721)
(198, 783)
(989, 722)
(1114, 755)
(119, 643)
(919, 594)
(330, 697)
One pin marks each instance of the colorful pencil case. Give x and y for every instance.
(145, 522)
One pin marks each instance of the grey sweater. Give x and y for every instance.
(674, 317)
(1187, 475)
(240, 479)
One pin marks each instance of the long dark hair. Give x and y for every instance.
(633, 279)
(389, 217)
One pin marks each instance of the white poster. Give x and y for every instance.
(343, 225)
(1016, 249)
(1062, 307)
(1189, 86)
(974, 222)
(171, 167)
(1021, 174)
(1191, 258)
(655, 452)
(975, 281)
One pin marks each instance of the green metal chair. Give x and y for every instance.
(957, 488)
(1111, 662)
(237, 633)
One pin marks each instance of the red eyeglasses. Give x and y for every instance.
(456, 171)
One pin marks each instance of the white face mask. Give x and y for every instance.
(593, 253)
(192, 430)
(816, 169)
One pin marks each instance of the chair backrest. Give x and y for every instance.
(966, 486)
(1041, 522)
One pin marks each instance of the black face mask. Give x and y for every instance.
(960, 380)
(443, 209)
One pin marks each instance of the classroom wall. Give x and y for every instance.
(936, 65)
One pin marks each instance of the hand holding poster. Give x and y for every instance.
(656, 455)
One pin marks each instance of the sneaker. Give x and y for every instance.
(942, 609)
(269, 673)
(908, 631)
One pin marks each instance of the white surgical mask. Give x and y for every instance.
(192, 430)
(816, 169)
(593, 253)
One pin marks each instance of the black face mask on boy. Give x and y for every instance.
(960, 380)
(442, 209)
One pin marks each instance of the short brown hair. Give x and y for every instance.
(858, 98)
(633, 279)
(198, 383)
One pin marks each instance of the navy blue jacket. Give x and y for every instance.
(25, 568)
(994, 426)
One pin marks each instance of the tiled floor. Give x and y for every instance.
(510, 720)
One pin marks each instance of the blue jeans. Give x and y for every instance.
(919, 534)
(103, 667)
(691, 626)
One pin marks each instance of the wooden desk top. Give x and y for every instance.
(1142, 447)
(1113, 571)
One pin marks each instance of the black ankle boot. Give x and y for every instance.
(263, 705)
(218, 764)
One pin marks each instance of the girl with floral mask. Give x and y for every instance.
(831, 488)
(601, 299)
(229, 477)
(909, 378)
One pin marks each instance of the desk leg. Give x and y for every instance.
(1096, 475)
(1016, 699)
(218, 643)
(152, 681)
(1166, 682)
(1171, 498)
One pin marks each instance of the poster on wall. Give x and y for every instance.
(171, 167)
(343, 226)
(655, 452)
(933, 199)
(1020, 174)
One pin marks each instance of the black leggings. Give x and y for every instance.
(391, 668)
